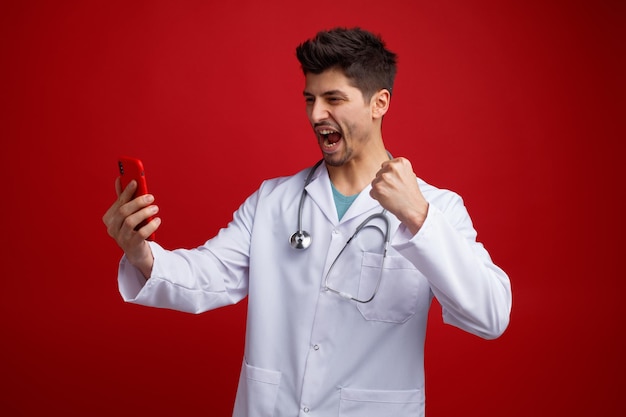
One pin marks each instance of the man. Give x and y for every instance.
(333, 327)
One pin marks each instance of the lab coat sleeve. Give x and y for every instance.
(195, 280)
(474, 293)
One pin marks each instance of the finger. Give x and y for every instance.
(127, 194)
(110, 217)
(131, 239)
(110, 213)
(137, 210)
(130, 212)
(118, 186)
(385, 166)
(132, 221)
(135, 205)
(150, 228)
(123, 206)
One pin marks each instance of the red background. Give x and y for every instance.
(518, 106)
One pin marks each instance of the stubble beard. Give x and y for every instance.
(335, 160)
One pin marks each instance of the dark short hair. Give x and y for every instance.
(360, 54)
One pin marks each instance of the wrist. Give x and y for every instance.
(142, 259)
(416, 218)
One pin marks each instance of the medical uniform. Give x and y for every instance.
(309, 351)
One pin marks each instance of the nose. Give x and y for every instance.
(318, 111)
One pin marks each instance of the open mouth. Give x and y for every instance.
(330, 137)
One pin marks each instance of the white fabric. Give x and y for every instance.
(308, 351)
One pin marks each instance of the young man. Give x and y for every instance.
(332, 326)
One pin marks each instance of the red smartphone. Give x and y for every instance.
(132, 169)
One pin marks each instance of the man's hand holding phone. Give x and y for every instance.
(130, 222)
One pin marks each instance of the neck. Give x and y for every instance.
(353, 176)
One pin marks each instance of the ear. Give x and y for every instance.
(379, 104)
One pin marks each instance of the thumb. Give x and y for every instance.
(118, 186)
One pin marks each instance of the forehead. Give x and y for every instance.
(330, 80)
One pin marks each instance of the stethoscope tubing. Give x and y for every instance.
(301, 239)
(304, 193)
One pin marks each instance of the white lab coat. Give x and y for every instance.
(308, 351)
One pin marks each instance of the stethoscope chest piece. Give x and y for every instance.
(300, 240)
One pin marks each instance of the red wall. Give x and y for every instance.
(518, 106)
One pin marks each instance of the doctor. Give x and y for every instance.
(333, 328)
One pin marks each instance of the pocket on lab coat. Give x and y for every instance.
(402, 288)
(375, 403)
(258, 390)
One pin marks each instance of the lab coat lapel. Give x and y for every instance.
(320, 193)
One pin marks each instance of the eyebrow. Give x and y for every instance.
(326, 93)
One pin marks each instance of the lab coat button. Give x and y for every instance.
(305, 409)
(316, 347)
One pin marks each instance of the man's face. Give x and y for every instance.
(340, 117)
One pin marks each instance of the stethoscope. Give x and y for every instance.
(301, 239)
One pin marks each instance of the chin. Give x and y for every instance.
(333, 163)
(336, 159)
